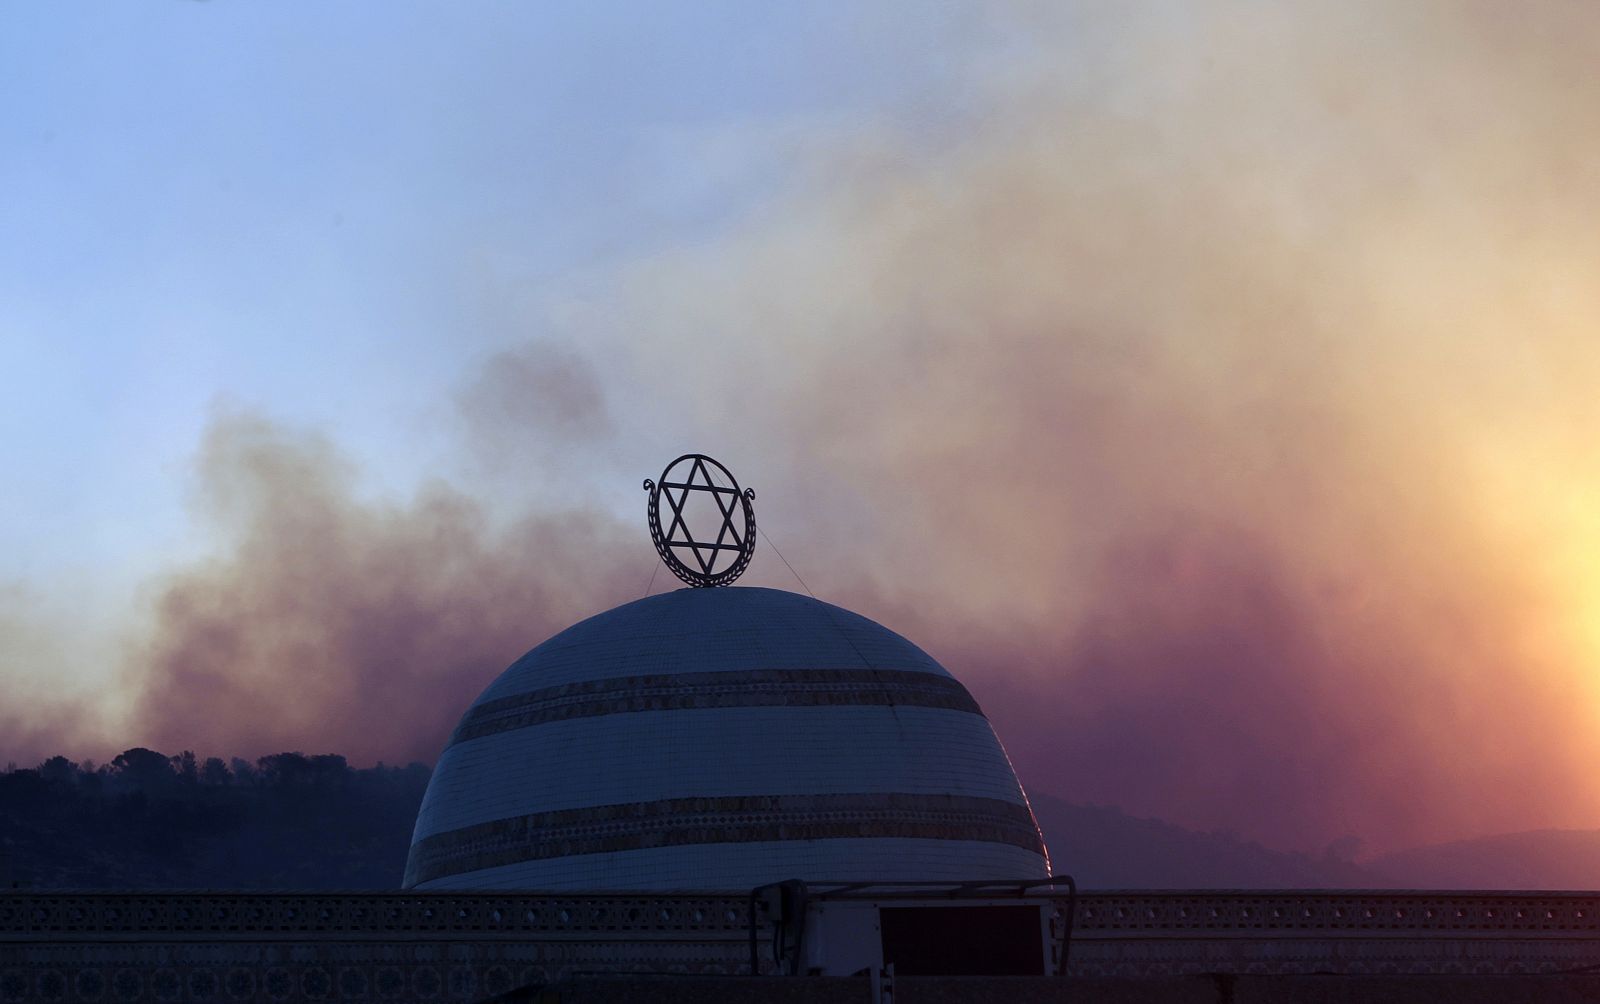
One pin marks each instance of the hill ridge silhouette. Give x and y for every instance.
(147, 820)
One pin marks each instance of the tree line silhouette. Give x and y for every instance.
(151, 821)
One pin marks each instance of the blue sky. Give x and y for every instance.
(294, 208)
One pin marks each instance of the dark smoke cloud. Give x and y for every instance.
(1204, 683)
(331, 623)
(1221, 405)
(533, 401)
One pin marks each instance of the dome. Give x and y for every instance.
(719, 739)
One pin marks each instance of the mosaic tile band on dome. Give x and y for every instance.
(721, 739)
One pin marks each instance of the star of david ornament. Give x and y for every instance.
(698, 489)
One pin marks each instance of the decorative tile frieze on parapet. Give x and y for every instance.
(1384, 910)
(208, 916)
(1380, 932)
(270, 947)
(275, 947)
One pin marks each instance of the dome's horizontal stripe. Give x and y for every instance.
(679, 822)
(654, 755)
(741, 867)
(754, 688)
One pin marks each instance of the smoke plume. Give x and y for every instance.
(1218, 400)
(331, 623)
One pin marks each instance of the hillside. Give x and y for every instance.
(1535, 859)
(1103, 848)
(149, 821)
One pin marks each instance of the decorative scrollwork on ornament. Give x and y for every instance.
(684, 483)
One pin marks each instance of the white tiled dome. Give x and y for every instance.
(718, 739)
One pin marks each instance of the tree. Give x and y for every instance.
(285, 769)
(142, 768)
(185, 767)
(215, 772)
(58, 770)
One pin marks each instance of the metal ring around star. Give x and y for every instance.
(700, 568)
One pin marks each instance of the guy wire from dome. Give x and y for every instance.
(842, 633)
(704, 467)
(867, 663)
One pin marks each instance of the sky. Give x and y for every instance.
(1209, 386)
